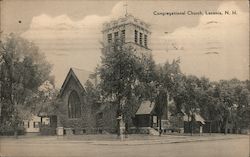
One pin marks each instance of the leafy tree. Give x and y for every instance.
(148, 79)
(42, 102)
(120, 75)
(192, 95)
(23, 68)
(168, 79)
(188, 96)
(93, 95)
(239, 116)
(225, 102)
(243, 109)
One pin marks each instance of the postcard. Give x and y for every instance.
(124, 78)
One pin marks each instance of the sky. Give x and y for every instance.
(69, 33)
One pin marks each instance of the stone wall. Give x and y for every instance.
(88, 122)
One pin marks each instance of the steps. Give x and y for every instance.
(154, 132)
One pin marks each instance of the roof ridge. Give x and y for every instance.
(80, 69)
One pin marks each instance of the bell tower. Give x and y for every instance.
(132, 31)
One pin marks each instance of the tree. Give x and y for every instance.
(243, 109)
(120, 75)
(23, 68)
(148, 79)
(93, 95)
(45, 96)
(226, 101)
(168, 79)
(239, 111)
(187, 95)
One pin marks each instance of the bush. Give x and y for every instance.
(21, 130)
(47, 130)
(7, 130)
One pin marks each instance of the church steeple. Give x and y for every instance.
(132, 31)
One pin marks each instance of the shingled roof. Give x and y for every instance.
(146, 107)
(82, 75)
(197, 117)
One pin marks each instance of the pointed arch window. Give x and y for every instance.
(74, 105)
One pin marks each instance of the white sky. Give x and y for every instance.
(69, 33)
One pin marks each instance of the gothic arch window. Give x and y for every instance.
(74, 105)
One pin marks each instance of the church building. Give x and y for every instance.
(81, 117)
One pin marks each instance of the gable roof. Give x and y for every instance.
(197, 117)
(146, 107)
(80, 75)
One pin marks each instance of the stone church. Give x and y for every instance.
(81, 117)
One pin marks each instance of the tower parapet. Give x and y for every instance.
(132, 31)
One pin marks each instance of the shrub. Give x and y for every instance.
(21, 130)
(7, 130)
(47, 130)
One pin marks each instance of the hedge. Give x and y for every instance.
(6, 130)
(47, 130)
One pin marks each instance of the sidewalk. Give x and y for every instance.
(111, 139)
(168, 139)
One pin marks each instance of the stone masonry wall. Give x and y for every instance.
(86, 122)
